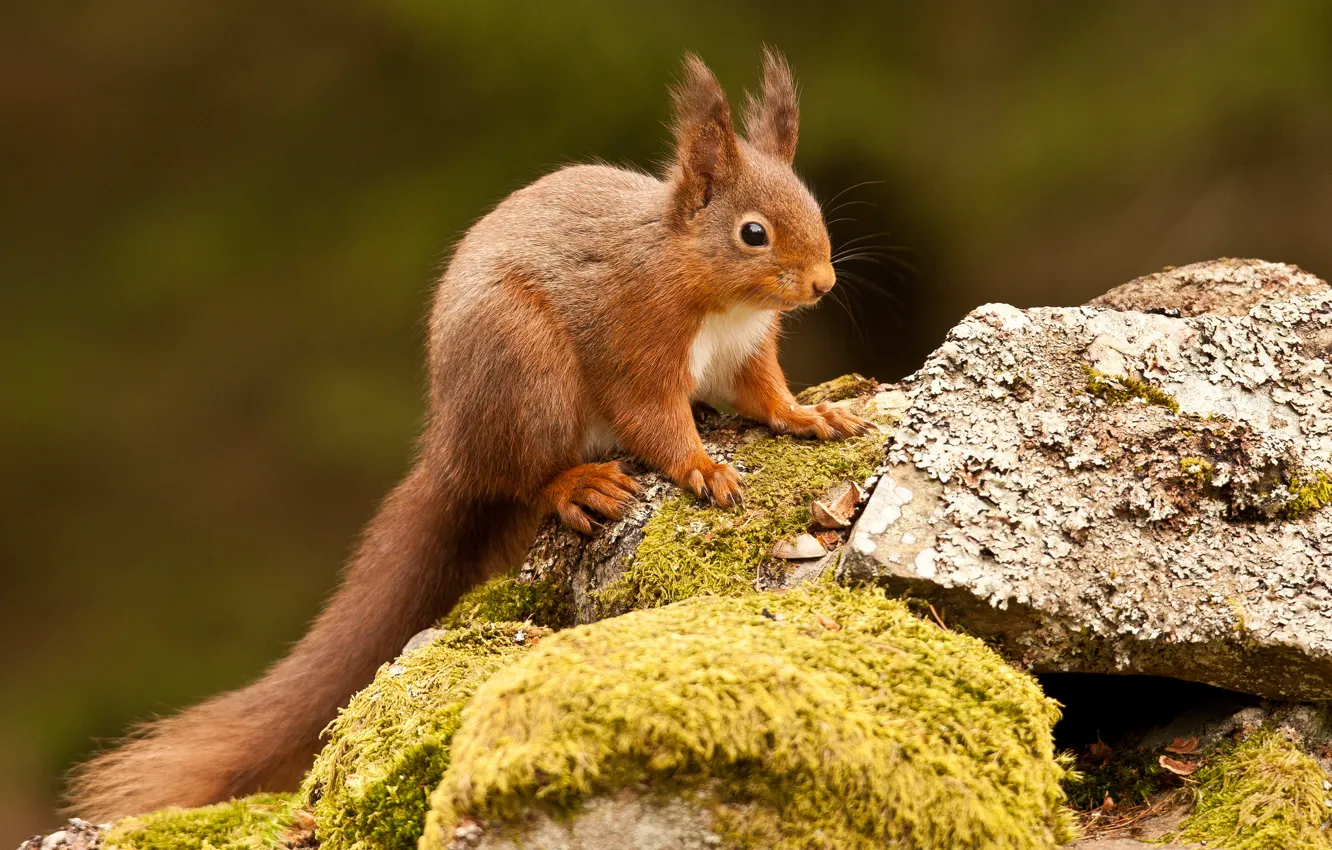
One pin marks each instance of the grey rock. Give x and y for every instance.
(420, 639)
(77, 834)
(605, 823)
(1079, 533)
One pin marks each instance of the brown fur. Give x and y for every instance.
(590, 307)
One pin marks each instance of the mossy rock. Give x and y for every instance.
(253, 823)
(511, 598)
(821, 717)
(390, 746)
(676, 546)
(838, 389)
(692, 548)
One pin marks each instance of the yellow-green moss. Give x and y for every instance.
(1265, 794)
(509, 598)
(690, 548)
(887, 731)
(838, 389)
(389, 747)
(1198, 468)
(1308, 492)
(1117, 389)
(252, 823)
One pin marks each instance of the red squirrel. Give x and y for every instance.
(587, 310)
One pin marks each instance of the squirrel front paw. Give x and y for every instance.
(824, 421)
(718, 481)
(601, 488)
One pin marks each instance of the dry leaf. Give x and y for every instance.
(802, 547)
(828, 623)
(1183, 746)
(826, 517)
(1100, 750)
(836, 512)
(1177, 767)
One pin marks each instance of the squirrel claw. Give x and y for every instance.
(717, 481)
(592, 488)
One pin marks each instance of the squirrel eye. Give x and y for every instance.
(753, 234)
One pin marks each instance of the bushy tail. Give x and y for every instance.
(422, 551)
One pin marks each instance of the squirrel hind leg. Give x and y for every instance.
(581, 492)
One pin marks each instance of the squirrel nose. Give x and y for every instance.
(822, 279)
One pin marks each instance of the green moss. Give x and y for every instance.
(838, 389)
(510, 598)
(1264, 794)
(690, 548)
(252, 823)
(887, 731)
(1129, 778)
(1307, 493)
(390, 745)
(1118, 389)
(1197, 468)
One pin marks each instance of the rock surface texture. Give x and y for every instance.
(1131, 486)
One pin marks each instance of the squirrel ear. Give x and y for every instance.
(773, 123)
(707, 153)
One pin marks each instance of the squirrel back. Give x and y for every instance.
(586, 310)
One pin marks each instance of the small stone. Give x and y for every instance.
(422, 638)
(467, 834)
(56, 839)
(798, 549)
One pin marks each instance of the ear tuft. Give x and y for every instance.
(773, 122)
(707, 153)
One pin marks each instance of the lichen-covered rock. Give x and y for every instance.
(813, 718)
(1125, 491)
(672, 546)
(1220, 288)
(390, 746)
(76, 834)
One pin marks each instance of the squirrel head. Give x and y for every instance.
(755, 228)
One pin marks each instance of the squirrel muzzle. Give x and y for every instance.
(821, 279)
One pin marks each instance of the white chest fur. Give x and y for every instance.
(724, 342)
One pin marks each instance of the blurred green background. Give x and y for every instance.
(221, 221)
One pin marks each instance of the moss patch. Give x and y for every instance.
(1264, 794)
(510, 599)
(838, 389)
(1308, 492)
(390, 745)
(1118, 389)
(866, 728)
(252, 823)
(1130, 778)
(690, 548)
(1198, 469)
